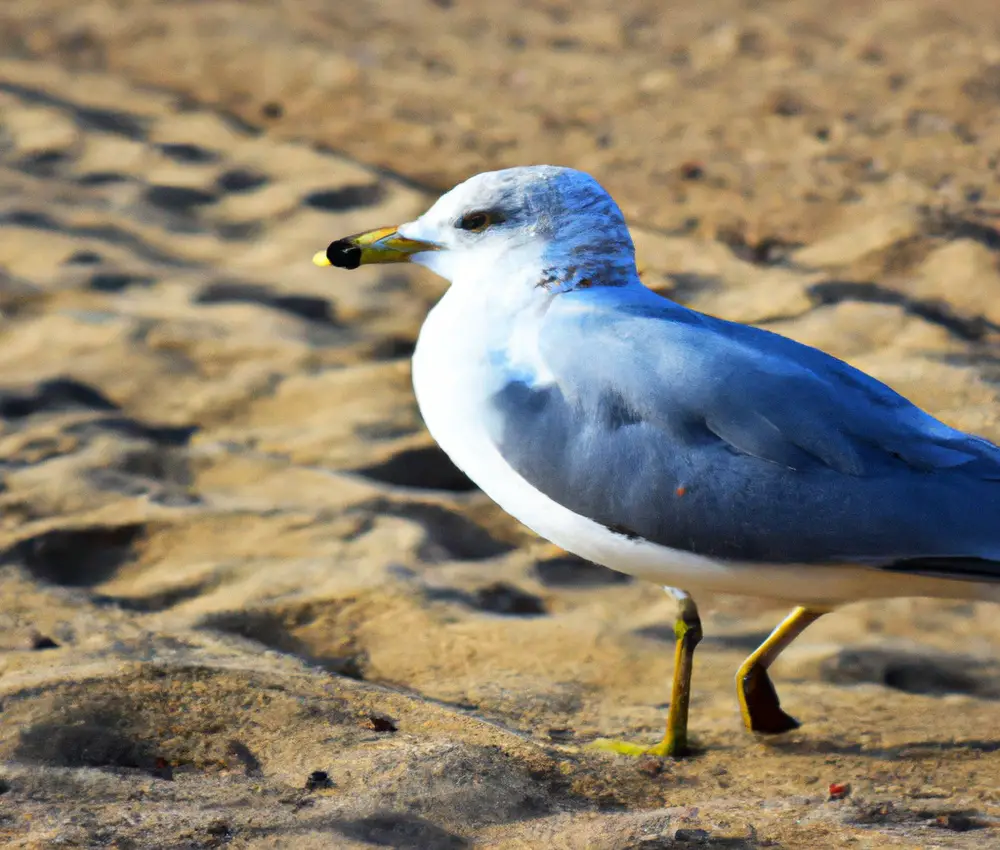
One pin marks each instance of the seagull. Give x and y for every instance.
(697, 453)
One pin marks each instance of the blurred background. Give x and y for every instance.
(244, 599)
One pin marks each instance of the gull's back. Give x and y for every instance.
(735, 443)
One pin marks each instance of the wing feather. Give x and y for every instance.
(732, 442)
(761, 393)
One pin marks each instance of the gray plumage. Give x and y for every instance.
(735, 443)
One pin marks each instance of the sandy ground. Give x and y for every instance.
(245, 602)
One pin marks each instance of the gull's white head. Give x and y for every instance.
(552, 228)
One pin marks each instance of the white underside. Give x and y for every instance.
(452, 380)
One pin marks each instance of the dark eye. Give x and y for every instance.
(476, 222)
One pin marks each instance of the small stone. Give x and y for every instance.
(380, 723)
(318, 780)
(219, 829)
(560, 734)
(162, 769)
(692, 170)
(959, 822)
(839, 790)
(787, 104)
(43, 642)
(692, 836)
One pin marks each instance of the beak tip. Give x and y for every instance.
(320, 259)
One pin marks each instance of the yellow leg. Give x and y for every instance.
(759, 703)
(687, 629)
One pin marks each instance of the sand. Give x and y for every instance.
(245, 601)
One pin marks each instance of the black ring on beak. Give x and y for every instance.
(343, 254)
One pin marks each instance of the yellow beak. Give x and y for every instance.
(384, 245)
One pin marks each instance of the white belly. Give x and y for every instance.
(452, 381)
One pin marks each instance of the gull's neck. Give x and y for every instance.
(486, 329)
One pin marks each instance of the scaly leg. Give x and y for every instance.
(759, 703)
(687, 629)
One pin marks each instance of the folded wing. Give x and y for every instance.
(727, 440)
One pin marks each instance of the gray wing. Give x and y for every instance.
(733, 442)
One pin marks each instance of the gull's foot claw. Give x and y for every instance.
(762, 710)
(664, 749)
